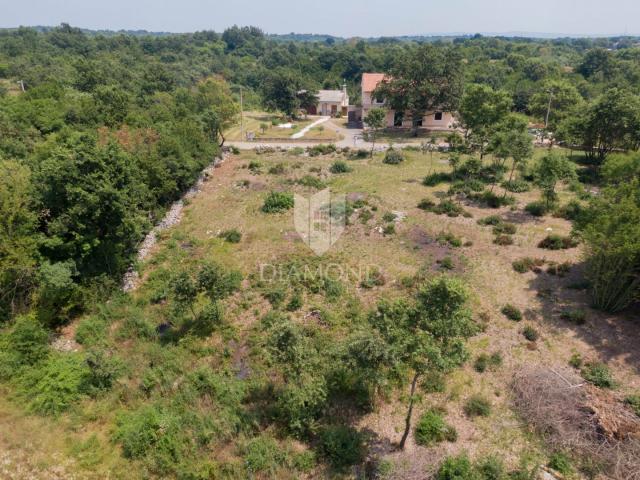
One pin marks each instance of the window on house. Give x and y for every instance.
(398, 118)
(438, 116)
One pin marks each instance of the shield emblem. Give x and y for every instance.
(320, 219)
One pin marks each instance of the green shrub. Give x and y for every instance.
(492, 200)
(477, 406)
(493, 220)
(365, 215)
(231, 236)
(393, 157)
(277, 169)
(210, 319)
(491, 468)
(304, 461)
(516, 186)
(634, 402)
(560, 463)
(389, 229)
(322, 149)
(577, 316)
(505, 228)
(25, 344)
(54, 385)
(435, 179)
(340, 167)
(503, 240)
(431, 428)
(447, 263)
(277, 202)
(537, 209)
(341, 445)
(311, 181)
(263, 454)
(295, 303)
(512, 312)
(576, 360)
(91, 331)
(599, 374)
(389, 217)
(530, 333)
(484, 361)
(254, 166)
(456, 468)
(426, 204)
(374, 278)
(449, 208)
(359, 154)
(217, 282)
(570, 211)
(526, 264)
(557, 242)
(448, 238)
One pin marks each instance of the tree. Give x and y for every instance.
(512, 140)
(610, 228)
(280, 91)
(424, 79)
(308, 100)
(220, 110)
(611, 122)
(556, 101)
(18, 238)
(375, 120)
(426, 335)
(481, 109)
(551, 169)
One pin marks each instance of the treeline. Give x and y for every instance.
(90, 155)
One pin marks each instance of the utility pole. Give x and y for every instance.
(241, 116)
(546, 118)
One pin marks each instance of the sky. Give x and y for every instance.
(346, 18)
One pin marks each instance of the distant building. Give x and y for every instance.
(431, 120)
(331, 102)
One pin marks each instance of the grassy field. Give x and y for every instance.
(253, 122)
(82, 442)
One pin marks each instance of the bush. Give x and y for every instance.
(560, 463)
(447, 263)
(277, 169)
(570, 211)
(505, 228)
(295, 303)
(491, 468)
(373, 279)
(231, 236)
(311, 181)
(277, 202)
(526, 264)
(503, 240)
(456, 468)
(537, 209)
(559, 269)
(426, 204)
(91, 331)
(393, 157)
(477, 406)
(53, 386)
(484, 361)
(577, 316)
(449, 208)
(341, 445)
(435, 179)
(431, 428)
(448, 238)
(557, 242)
(340, 167)
(254, 166)
(492, 200)
(576, 360)
(530, 333)
(25, 344)
(389, 229)
(493, 220)
(634, 402)
(516, 186)
(359, 154)
(512, 312)
(321, 149)
(598, 374)
(389, 217)
(263, 454)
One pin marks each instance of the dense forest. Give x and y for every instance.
(100, 133)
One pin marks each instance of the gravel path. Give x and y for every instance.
(306, 129)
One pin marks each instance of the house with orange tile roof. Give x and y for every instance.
(443, 121)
